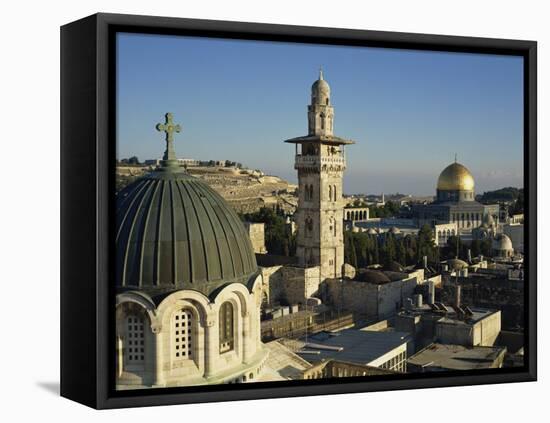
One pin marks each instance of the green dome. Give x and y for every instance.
(175, 232)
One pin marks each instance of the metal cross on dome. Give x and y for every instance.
(169, 128)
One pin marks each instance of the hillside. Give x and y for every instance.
(246, 190)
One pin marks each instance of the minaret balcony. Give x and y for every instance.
(307, 161)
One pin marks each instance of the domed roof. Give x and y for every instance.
(455, 177)
(502, 242)
(372, 231)
(394, 266)
(456, 264)
(175, 232)
(371, 276)
(320, 90)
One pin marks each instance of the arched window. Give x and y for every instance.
(182, 335)
(309, 226)
(135, 340)
(330, 192)
(334, 192)
(226, 327)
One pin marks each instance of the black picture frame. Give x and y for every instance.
(87, 163)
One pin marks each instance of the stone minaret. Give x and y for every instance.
(320, 163)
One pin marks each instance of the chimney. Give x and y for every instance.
(458, 294)
(431, 292)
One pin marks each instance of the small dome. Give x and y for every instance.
(394, 266)
(371, 276)
(372, 231)
(502, 242)
(320, 91)
(455, 177)
(456, 264)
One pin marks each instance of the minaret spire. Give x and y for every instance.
(321, 73)
(455, 158)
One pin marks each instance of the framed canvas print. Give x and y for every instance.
(255, 211)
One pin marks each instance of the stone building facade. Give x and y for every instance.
(256, 233)
(378, 296)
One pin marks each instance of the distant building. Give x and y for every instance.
(386, 350)
(375, 294)
(450, 325)
(455, 202)
(476, 327)
(256, 232)
(514, 231)
(442, 357)
(181, 162)
(517, 218)
(444, 231)
(356, 214)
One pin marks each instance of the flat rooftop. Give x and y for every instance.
(456, 357)
(477, 315)
(350, 345)
(448, 314)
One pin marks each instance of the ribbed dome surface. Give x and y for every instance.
(175, 232)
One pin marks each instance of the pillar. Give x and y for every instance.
(158, 373)
(211, 347)
(119, 356)
(247, 338)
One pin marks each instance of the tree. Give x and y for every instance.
(133, 160)
(426, 245)
(485, 247)
(476, 247)
(278, 238)
(350, 256)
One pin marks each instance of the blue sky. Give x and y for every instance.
(408, 111)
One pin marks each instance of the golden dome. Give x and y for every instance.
(455, 177)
